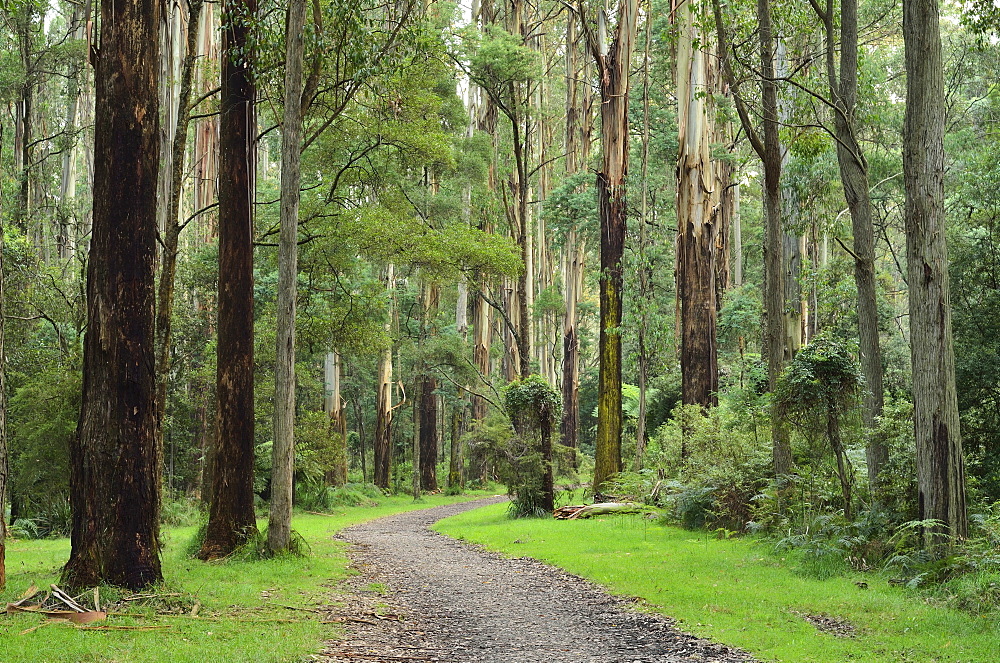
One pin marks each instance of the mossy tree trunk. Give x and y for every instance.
(613, 62)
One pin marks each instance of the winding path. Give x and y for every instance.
(421, 596)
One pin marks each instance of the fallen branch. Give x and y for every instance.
(292, 607)
(599, 509)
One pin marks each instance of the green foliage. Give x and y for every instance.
(530, 399)
(181, 511)
(514, 450)
(714, 469)
(502, 59)
(317, 496)
(822, 373)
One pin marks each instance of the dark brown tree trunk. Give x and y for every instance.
(940, 464)
(613, 65)
(428, 433)
(116, 467)
(231, 519)
(545, 422)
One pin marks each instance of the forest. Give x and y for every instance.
(738, 261)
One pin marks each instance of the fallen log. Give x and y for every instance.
(599, 509)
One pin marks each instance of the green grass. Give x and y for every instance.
(739, 591)
(242, 614)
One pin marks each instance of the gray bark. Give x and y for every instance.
(940, 464)
(854, 176)
(283, 457)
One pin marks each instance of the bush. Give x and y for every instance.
(716, 467)
(318, 496)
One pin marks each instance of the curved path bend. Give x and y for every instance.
(421, 596)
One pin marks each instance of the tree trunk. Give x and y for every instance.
(854, 175)
(768, 148)
(613, 65)
(456, 472)
(697, 205)
(940, 464)
(205, 157)
(279, 522)
(66, 236)
(426, 398)
(4, 452)
(231, 519)
(791, 246)
(578, 114)
(737, 231)
(383, 398)
(843, 466)
(333, 405)
(116, 468)
(428, 433)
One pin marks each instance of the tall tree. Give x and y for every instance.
(425, 401)
(115, 475)
(578, 133)
(854, 175)
(698, 209)
(613, 60)
(382, 443)
(231, 519)
(940, 464)
(173, 226)
(279, 524)
(767, 145)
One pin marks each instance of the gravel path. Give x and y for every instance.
(421, 596)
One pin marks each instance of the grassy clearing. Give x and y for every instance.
(242, 613)
(738, 591)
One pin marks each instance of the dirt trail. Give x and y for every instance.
(421, 596)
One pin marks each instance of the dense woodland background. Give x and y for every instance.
(452, 275)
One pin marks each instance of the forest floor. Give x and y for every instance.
(420, 596)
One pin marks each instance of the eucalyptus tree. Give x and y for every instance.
(506, 70)
(702, 197)
(579, 125)
(613, 64)
(279, 523)
(766, 143)
(843, 85)
(940, 463)
(232, 520)
(115, 475)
